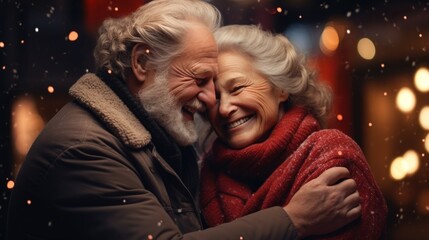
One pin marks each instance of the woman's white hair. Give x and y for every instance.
(276, 58)
(159, 24)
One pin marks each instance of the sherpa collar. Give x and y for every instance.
(92, 92)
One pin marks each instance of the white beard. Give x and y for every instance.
(166, 111)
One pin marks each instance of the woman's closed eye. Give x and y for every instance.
(236, 89)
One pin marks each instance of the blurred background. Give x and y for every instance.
(374, 54)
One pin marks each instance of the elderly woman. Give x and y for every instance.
(269, 117)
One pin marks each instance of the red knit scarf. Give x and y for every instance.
(238, 182)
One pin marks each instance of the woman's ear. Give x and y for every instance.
(138, 61)
(283, 96)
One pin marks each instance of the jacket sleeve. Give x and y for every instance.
(270, 223)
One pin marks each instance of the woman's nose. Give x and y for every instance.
(226, 108)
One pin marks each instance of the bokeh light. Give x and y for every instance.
(51, 89)
(329, 40)
(421, 79)
(412, 159)
(405, 100)
(424, 117)
(398, 168)
(366, 48)
(73, 36)
(408, 164)
(10, 184)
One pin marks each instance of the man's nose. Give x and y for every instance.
(207, 94)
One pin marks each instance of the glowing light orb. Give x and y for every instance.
(405, 100)
(10, 184)
(366, 48)
(398, 168)
(51, 89)
(424, 117)
(421, 79)
(73, 36)
(405, 165)
(329, 40)
(412, 159)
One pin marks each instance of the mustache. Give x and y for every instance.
(197, 105)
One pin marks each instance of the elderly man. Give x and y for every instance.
(118, 162)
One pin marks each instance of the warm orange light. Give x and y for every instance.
(27, 123)
(405, 165)
(329, 40)
(1, 44)
(10, 184)
(339, 117)
(51, 89)
(424, 117)
(73, 35)
(405, 100)
(421, 79)
(366, 48)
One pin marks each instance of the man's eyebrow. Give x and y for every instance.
(204, 71)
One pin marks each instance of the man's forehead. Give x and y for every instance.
(207, 69)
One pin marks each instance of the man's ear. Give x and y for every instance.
(138, 61)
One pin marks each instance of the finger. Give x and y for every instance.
(347, 186)
(352, 200)
(354, 213)
(332, 175)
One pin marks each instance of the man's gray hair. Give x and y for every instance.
(160, 25)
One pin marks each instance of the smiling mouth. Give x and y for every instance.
(189, 110)
(239, 122)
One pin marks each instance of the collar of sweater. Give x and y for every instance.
(93, 93)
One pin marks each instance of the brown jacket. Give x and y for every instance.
(93, 173)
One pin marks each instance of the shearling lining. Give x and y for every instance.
(97, 96)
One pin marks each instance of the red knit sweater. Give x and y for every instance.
(238, 182)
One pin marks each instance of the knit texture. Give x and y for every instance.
(238, 182)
